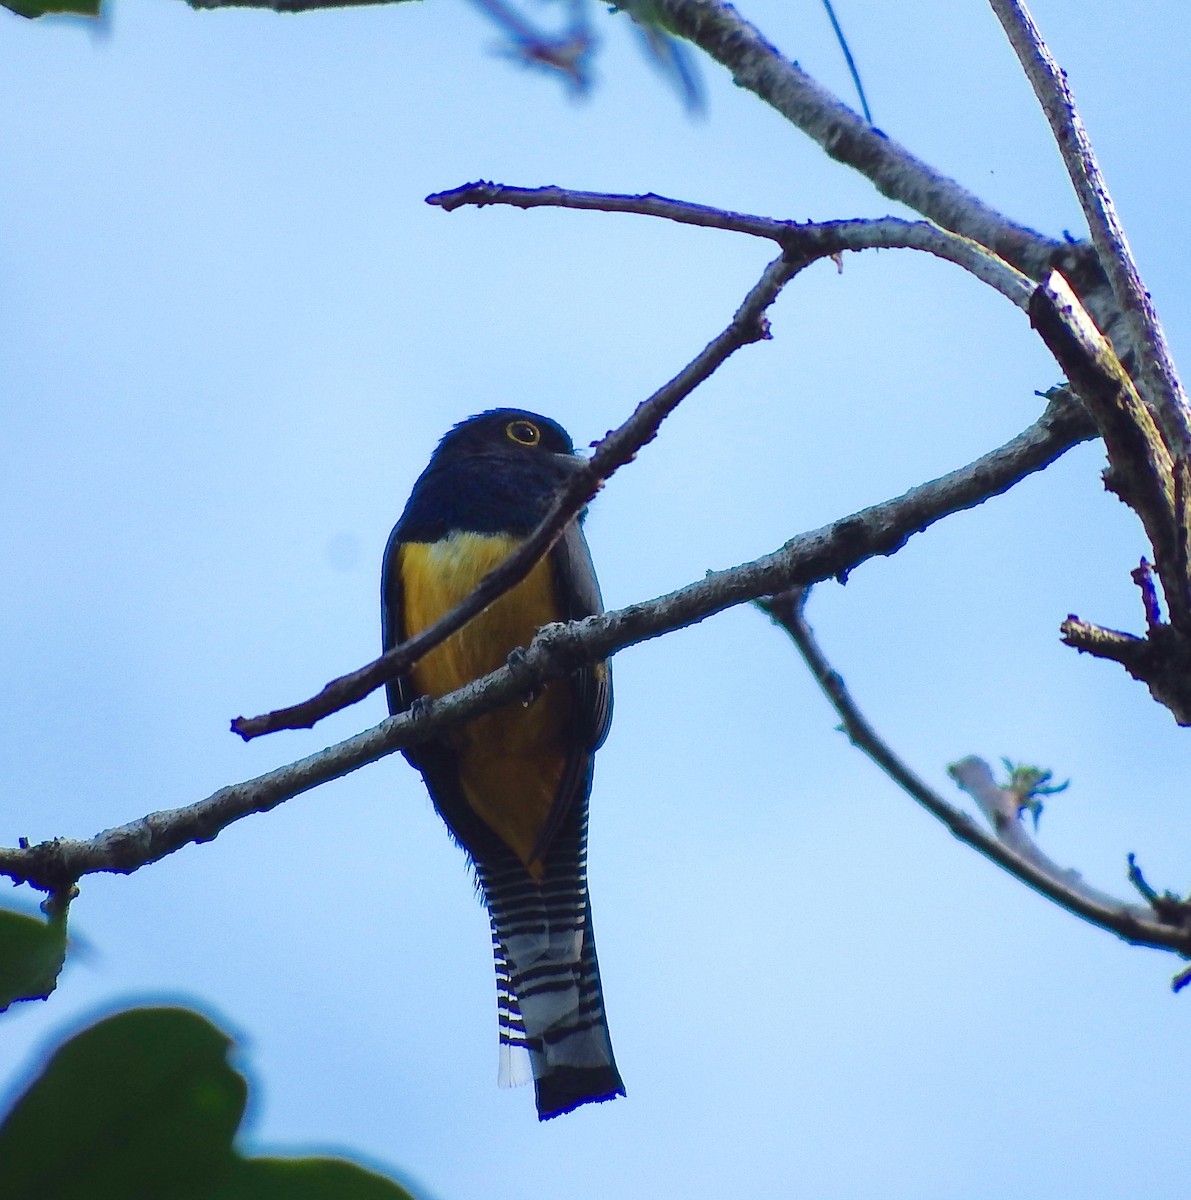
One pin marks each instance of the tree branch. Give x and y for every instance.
(1161, 660)
(1009, 845)
(1141, 471)
(832, 551)
(1143, 474)
(617, 448)
(1151, 463)
(721, 32)
(1050, 86)
(806, 240)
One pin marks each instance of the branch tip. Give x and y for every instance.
(1008, 844)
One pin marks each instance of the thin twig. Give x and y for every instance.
(805, 240)
(1143, 576)
(1050, 86)
(832, 551)
(843, 45)
(617, 448)
(1161, 660)
(1009, 846)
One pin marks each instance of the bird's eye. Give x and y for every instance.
(524, 433)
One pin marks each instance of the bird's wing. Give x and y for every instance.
(578, 596)
(400, 691)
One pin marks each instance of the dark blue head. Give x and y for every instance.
(505, 430)
(493, 473)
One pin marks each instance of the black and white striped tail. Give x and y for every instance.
(549, 1004)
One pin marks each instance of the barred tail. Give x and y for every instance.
(550, 1007)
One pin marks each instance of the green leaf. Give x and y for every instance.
(143, 1103)
(1029, 784)
(32, 952)
(41, 8)
(305, 1179)
(146, 1104)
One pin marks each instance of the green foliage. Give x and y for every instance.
(31, 955)
(144, 1104)
(40, 8)
(304, 1179)
(1029, 784)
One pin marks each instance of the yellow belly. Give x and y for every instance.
(511, 761)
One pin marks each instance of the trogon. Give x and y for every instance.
(512, 785)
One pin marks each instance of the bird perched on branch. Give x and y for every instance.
(512, 785)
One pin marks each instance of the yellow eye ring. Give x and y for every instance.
(524, 433)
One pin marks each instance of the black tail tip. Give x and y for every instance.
(564, 1089)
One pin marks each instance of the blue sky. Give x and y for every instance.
(233, 332)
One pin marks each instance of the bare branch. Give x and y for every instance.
(832, 551)
(805, 241)
(1158, 371)
(484, 192)
(1009, 845)
(1161, 660)
(719, 30)
(1114, 644)
(617, 448)
(1142, 473)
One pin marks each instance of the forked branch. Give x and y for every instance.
(1143, 473)
(1160, 378)
(805, 241)
(1006, 842)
